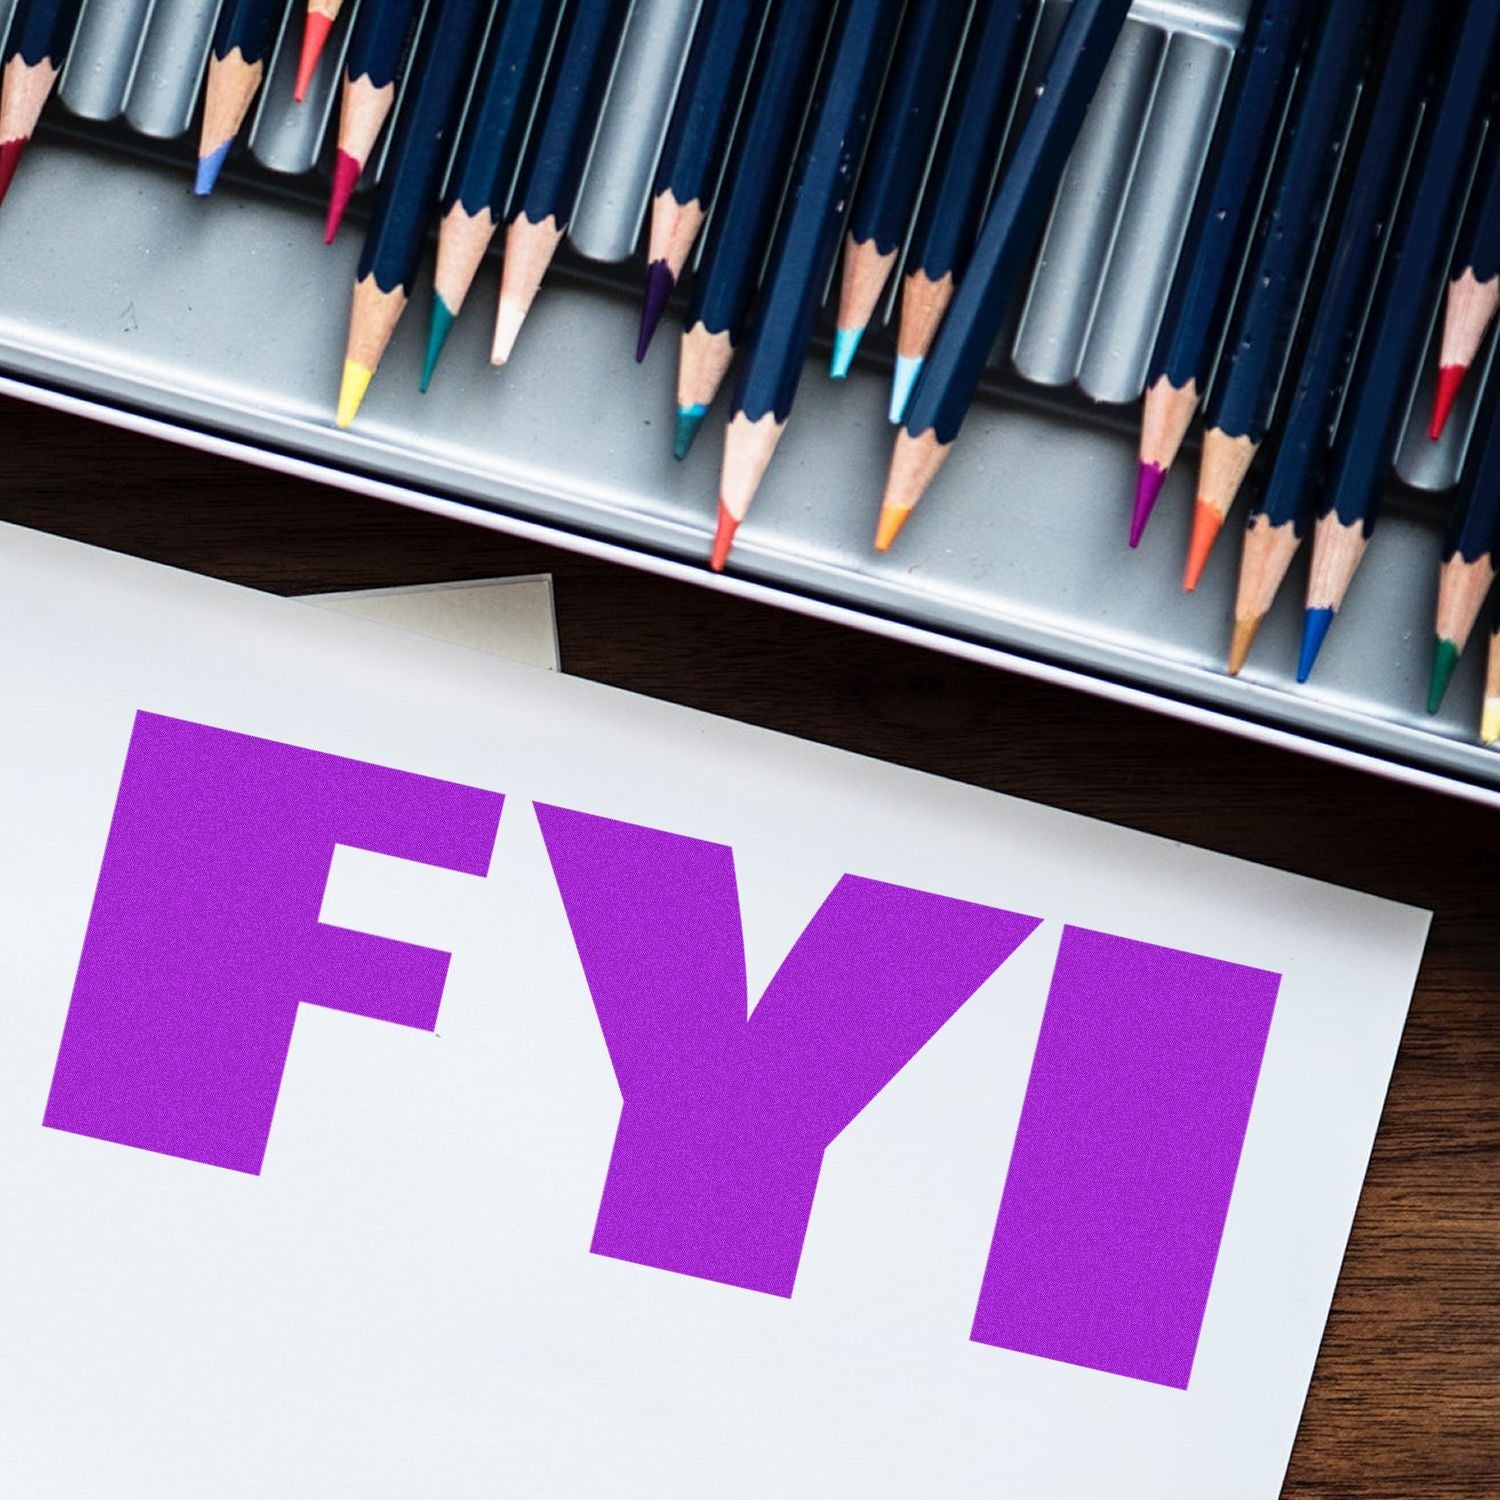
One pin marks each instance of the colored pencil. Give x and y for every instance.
(373, 63)
(892, 171)
(802, 259)
(735, 248)
(1280, 517)
(964, 163)
(1489, 730)
(1474, 291)
(1213, 246)
(1264, 322)
(692, 154)
(494, 131)
(556, 154)
(1009, 236)
(236, 66)
(321, 14)
(36, 46)
(1369, 430)
(1468, 567)
(408, 190)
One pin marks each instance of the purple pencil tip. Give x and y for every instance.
(1148, 482)
(659, 284)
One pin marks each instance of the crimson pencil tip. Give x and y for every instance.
(346, 170)
(723, 538)
(10, 159)
(314, 35)
(1148, 482)
(659, 284)
(1449, 383)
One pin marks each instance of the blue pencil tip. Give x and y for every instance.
(209, 167)
(689, 420)
(1315, 625)
(903, 382)
(437, 336)
(845, 346)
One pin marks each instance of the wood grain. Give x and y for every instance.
(1404, 1399)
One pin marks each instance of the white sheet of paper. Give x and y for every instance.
(404, 1301)
(510, 617)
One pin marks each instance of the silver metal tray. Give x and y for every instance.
(227, 317)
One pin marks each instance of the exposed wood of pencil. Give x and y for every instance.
(1268, 554)
(1221, 472)
(702, 363)
(1337, 550)
(529, 249)
(23, 92)
(866, 271)
(915, 462)
(232, 86)
(674, 228)
(1462, 587)
(463, 239)
(1166, 415)
(923, 303)
(1490, 731)
(362, 112)
(748, 447)
(328, 9)
(373, 316)
(1466, 318)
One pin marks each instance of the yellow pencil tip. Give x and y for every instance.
(1489, 730)
(892, 519)
(1243, 639)
(352, 390)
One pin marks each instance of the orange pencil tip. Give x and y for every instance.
(1240, 644)
(1449, 382)
(1206, 524)
(888, 528)
(314, 37)
(723, 538)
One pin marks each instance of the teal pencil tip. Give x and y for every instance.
(903, 382)
(437, 336)
(845, 346)
(689, 420)
(209, 168)
(1315, 625)
(1444, 660)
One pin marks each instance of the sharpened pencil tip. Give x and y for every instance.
(1315, 624)
(1149, 479)
(437, 336)
(1206, 524)
(508, 321)
(723, 538)
(1489, 724)
(903, 382)
(892, 518)
(209, 168)
(1444, 660)
(845, 347)
(1449, 382)
(659, 284)
(346, 170)
(10, 159)
(1240, 643)
(314, 35)
(689, 420)
(352, 388)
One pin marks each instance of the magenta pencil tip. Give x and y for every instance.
(659, 284)
(1148, 482)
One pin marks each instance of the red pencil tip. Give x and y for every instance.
(1450, 380)
(1206, 524)
(723, 538)
(10, 157)
(346, 172)
(314, 35)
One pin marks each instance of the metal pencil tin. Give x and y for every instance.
(221, 324)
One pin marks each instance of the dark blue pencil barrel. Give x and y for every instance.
(41, 31)
(378, 40)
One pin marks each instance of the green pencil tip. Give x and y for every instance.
(689, 420)
(1444, 660)
(437, 336)
(845, 344)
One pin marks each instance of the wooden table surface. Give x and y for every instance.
(1405, 1402)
